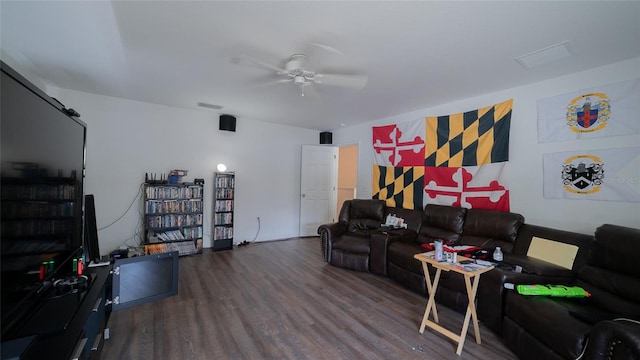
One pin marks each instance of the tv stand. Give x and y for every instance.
(71, 325)
(68, 325)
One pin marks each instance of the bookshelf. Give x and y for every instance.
(224, 191)
(173, 218)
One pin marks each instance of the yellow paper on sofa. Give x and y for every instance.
(555, 252)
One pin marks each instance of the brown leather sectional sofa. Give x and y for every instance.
(604, 325)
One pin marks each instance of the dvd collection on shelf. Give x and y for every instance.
(224, 205)
(173, 206)
(184, 234)
(173, 218)
(224, 193)
(225, 181)
(223, 218)
(183, 248)
(174, 192)
(223, 232)
(223, 210)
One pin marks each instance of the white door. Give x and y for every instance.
(318, 187)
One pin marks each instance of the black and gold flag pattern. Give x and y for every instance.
(472, 138)
(399, 186)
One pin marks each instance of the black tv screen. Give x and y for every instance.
(141, 279)
(42, 171)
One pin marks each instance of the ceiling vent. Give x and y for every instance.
(547, 55)
(209, 106)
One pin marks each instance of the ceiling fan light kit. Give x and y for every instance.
(296, 62)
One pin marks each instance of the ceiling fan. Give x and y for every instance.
(295, 71)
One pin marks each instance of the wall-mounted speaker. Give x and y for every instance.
(227, 122)
(326, 137)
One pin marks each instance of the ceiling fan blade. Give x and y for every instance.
(250, 61)
(271, 83)
(350, 81)
(327, 48)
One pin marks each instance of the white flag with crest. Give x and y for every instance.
(609, 174)
(608, 110)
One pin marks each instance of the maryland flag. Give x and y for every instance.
(465, 157)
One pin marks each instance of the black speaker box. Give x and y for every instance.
(91, 244)
(228, 122)
(326, 137)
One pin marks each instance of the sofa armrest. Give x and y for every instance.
(327, 233)
(333, 229)
(535, 266)
(614, 339)
(380, 244)
(401, 234)
(378, 255)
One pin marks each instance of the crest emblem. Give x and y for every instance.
(588, 112)
(583, 174)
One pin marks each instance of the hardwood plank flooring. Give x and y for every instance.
(279, 300)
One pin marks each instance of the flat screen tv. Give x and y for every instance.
(41, 185)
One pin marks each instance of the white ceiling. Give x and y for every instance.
(417, 54)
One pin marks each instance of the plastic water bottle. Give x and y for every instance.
(439, 256)
(497, 254)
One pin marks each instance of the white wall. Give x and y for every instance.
(127, 138)
(17, 66)
(525, 160)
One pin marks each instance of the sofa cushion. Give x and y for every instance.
(413, 218)
(367, 209)
(429, 234)
(527, 232)
(401, 254)
(363, 227)
(441, 222)
(614, 249)
(612, 292)
(551, 321)
(352, 243)
(490, 228)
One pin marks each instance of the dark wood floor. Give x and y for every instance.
(279, 300)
